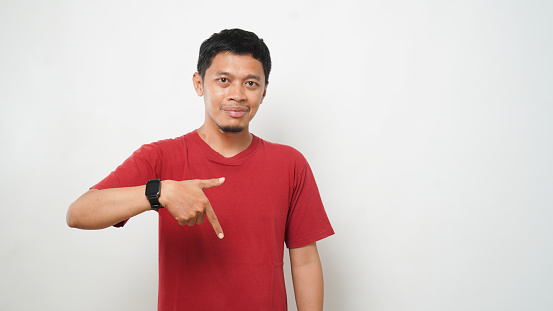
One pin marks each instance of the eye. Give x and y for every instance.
(223, 82)
(251, 83)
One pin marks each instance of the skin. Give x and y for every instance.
(233, 89)
(307, 276)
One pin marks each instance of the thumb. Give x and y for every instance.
(208, 183)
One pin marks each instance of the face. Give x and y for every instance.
(233, 89)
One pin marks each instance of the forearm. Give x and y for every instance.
(98, 209)
(307, 276)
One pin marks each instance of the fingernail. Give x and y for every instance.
(222, 179)
(221, 235)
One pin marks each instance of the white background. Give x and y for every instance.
(428, 125)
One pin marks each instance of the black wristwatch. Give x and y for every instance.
(153, 189)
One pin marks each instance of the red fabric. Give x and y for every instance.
(269, 198)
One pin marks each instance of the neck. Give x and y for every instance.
(226, 144)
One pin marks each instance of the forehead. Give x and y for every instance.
(238, 65)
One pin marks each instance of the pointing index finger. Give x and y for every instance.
(208, 183)
(210, 213)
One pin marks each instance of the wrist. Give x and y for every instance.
(166, 186)
(161, 198)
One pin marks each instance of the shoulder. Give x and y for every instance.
(166, 144)
(283, 152)
(280, 148)
(162, 148)
(169, 143)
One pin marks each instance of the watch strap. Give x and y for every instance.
(154, 203)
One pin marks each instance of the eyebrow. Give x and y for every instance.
(250, 76)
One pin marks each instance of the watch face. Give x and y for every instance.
(153, 187)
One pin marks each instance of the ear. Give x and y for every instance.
(198, 84)
(264, 92)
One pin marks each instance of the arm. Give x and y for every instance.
(307, 275)
(185, 200)
(98, 209)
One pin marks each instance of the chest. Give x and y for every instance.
(255, 196)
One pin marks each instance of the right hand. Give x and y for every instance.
(186, 201)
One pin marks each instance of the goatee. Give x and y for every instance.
(230, 129)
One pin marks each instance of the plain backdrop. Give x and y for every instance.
(428, 125)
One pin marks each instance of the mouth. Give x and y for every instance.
(235, 111)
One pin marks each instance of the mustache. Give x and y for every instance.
(236, 107)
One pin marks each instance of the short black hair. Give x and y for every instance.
(236, 41)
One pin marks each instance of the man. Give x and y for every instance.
(256, 195)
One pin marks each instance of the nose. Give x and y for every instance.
(236, 93)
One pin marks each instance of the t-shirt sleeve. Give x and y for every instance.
(307, 220)
(141, 166)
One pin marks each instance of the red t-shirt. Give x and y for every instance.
(269, 198)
